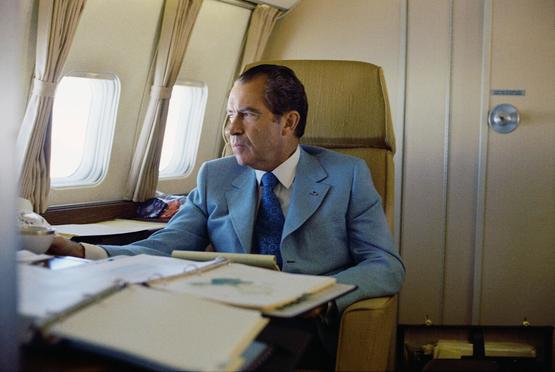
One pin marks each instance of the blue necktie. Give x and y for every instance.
(269, 221)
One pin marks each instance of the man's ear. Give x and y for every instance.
(291, 120)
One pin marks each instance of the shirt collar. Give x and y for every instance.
(285, 172)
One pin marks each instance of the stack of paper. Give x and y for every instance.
(47, 293)
(171, 324)
(456, 349)
(163, 330)
(44, 293)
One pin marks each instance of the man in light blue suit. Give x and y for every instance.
(334, 221)
(334, 224)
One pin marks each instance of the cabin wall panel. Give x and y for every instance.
(442, 135)
(465, 112)
(114, 36)
(426, 128)
(519, 235)
(13, 22)
(29, 12)
(358, 30)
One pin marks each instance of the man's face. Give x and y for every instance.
(258, 138)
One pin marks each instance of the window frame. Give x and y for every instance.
(93, 168)
(183, 164)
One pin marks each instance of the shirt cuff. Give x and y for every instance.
(94, 252)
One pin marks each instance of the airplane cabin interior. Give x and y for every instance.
(112, 108)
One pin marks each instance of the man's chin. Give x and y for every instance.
(240, 159)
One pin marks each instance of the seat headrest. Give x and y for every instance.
(347, 103)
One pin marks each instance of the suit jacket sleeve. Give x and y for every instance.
(185, 231)
(378, 269)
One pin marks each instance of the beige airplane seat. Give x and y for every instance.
(349, 113)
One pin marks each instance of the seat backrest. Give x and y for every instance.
(348, 111)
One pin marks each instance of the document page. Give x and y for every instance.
(44, 293)
(247, 286)
(24, 256)
(164, 330)
(141, 268)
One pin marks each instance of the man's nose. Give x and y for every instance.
(234, 126)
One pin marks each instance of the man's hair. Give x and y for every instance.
(283, 91)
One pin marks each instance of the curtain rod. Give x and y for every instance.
(240, 3)
(252, 4)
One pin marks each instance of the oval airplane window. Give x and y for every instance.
(83, 121)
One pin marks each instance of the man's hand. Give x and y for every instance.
(320, 310)
(326, 312)
(64, 247)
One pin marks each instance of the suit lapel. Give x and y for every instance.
(241, 201)
(307, 194)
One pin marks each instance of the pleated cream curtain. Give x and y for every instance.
(262, 22)
(57, 23)
(177, 23)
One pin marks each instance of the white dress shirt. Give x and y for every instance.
(285, 173)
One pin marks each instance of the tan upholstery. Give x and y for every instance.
(366, 335)
(349, 112)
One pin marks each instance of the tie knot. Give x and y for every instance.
(269, 180)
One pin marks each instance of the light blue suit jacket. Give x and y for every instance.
(335, 224)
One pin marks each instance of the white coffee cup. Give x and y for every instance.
(36, 239)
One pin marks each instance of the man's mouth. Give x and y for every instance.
(237, 145)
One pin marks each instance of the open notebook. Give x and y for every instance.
(246, 286)
(181, 320)
(163, 330)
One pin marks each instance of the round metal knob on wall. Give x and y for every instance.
(504, 118)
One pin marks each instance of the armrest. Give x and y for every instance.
(366, 335)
